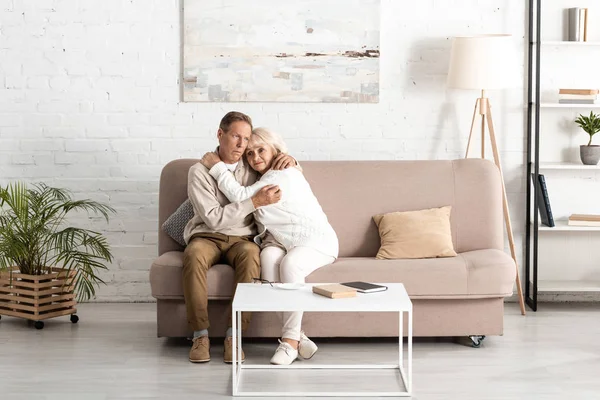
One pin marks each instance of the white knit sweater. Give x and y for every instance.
(296, 220)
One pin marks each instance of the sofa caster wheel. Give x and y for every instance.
(74, 318)
(38, 325)
(476, 340)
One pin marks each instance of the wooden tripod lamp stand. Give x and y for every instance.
(482, 63)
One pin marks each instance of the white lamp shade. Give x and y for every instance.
(482, 62)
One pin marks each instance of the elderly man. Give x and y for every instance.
(221, 230)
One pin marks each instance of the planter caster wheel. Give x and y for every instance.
(476, 340)
(38, 325)
(74, 318)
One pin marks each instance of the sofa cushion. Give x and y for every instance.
(166, 278)
(415, 234)
(479, 273)
(473, 274)
(175, 224)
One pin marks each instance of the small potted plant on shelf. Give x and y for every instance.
(46, 265)
(590, 153)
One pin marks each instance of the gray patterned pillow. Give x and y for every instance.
(175, 224)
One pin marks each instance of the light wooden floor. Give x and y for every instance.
(113, 353)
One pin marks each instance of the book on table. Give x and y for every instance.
(584, 220)
(334, 291)
(365, 287)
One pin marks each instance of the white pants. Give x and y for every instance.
(293, 267)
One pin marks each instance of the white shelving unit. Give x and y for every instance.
(567, 43)
(569, 286)
(559, 105)
(562, 225)
(567, 165)
(570, 258)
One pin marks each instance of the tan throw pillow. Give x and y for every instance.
(415, 234)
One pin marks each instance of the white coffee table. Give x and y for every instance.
(263, 297)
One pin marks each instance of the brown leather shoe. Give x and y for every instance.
(228, 353)
(200, 351)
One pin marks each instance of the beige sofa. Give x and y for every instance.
(458, 296)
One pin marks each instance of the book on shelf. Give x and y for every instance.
(583, 18)
(584, 220)
(578, 21)
(584, 223)
(334, 291)
(578, 96)
(579, 91)
(543, 200)
(576, 101)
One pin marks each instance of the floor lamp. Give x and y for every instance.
(482, 63)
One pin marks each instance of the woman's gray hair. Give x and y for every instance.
(271, 138)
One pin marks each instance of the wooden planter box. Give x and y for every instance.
(38, 297)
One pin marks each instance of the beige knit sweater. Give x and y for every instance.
(212, 211)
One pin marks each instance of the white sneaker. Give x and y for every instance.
(306, 347)
(284, 355)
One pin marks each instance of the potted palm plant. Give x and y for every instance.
(46, 266)
(590, 153)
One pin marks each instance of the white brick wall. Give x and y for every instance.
(89, 100)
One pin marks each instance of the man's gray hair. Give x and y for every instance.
(271, 138)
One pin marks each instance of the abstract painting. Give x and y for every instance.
(323, 51)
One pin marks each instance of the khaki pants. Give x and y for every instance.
(205, 250)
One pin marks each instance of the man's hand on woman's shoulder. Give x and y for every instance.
(283, 161)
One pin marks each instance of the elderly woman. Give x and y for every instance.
(295, 236)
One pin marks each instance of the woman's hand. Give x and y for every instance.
(210, 159)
